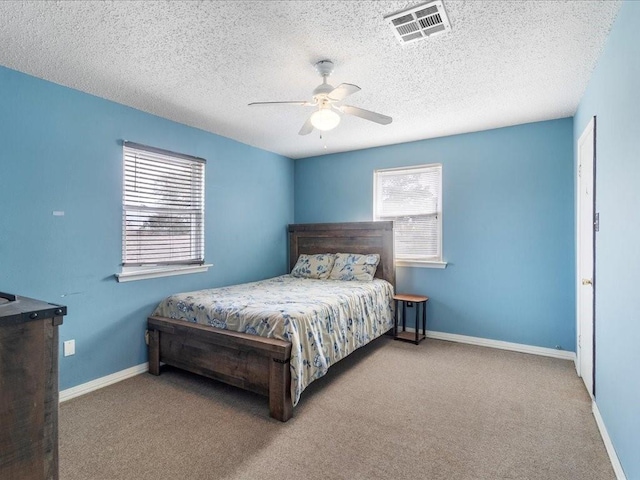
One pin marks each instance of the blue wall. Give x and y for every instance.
(508, 227)
(612, 95)
(61, 150)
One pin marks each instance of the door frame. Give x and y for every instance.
(579, 252)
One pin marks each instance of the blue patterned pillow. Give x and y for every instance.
(351, 266)
(314, 266)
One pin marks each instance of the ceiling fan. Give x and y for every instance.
(325, 99)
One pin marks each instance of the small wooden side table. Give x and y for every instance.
(402, 300)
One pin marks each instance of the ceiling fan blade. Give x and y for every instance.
(301, 102)
(366, 114)
(342, 91)
(307, 128)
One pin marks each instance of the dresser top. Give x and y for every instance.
(25, 309)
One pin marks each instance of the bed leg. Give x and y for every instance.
(154, 352)
(280, 406)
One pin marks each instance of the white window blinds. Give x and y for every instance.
(411, 197)
(163, 207)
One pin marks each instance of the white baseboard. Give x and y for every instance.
(85, 388)
(515, 347)
(98, 383)
(613, 456)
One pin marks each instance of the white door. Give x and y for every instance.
(585, 251)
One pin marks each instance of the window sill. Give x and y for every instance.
(142, 273)
(421, 264)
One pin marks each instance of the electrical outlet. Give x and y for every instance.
(69, 348)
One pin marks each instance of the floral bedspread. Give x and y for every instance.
(325, 320)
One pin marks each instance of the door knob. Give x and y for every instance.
(587, 281)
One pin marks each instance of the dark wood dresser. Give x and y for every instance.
(29, 388)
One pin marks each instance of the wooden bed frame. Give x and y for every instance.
(249, 361)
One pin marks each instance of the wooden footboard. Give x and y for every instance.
(246, 361)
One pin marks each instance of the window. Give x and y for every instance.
(162, 212)
(412, 198)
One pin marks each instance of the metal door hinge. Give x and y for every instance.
(596, 222)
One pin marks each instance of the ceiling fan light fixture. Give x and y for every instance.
(325, 119)
(325, 97)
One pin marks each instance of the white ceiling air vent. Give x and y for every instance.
(419, 22)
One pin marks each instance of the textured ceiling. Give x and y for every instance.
(201, 63)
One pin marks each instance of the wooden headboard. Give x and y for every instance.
(352, 237)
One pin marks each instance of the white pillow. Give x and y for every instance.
(314, 266)
(352, 266)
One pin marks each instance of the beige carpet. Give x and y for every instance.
(392, 410)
